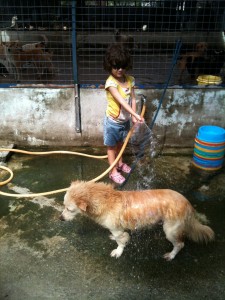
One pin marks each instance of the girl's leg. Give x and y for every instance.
(118, 148)
(115, 152)
(114, 174)
(111, 152)
(122, 166)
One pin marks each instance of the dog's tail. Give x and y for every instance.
(196, 229)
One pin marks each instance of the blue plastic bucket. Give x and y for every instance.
(209, 133)
(209, 148)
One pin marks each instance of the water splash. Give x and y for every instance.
(144, 145)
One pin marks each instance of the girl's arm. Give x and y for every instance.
(133, 105)
(131, 109)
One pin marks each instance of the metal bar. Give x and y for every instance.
(74, 42)
(75, 74)
(77, 109)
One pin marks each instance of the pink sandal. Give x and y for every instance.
(117, 178)
(124, 168)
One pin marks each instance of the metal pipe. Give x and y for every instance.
(77, 109)
(75, 74)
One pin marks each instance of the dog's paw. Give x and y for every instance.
(112, 237)
(116, 252)
(168, 256)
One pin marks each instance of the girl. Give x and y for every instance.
(121, 106)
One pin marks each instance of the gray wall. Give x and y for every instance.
(35, 117)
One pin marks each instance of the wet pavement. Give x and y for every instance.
(44, 258)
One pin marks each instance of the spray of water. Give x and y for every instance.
(144, 147)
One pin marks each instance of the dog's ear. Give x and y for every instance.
(82, 206)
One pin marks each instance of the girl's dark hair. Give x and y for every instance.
(117, 55)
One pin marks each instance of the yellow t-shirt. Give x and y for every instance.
(114, 109)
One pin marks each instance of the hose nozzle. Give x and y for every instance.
(143, 98)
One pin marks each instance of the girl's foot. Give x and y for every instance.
(117, 178)
(124, 168)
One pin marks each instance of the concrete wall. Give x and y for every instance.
(46, 117)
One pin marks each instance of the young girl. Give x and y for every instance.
(121, 106)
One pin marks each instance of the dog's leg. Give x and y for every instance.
(16, 72)
(182, 66)
(122, 238)
(174, 234)
(181, 76)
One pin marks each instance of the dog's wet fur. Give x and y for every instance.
(131, 210)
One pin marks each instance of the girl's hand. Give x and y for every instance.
(137, 118)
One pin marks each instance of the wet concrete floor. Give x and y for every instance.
(44, 258)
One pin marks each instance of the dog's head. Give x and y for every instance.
(70, 209)
(87, 198)
(73, 203)
(201, 47)
(10, 47)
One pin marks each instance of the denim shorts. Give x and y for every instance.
(115, 132)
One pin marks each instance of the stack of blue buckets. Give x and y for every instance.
(209, 148)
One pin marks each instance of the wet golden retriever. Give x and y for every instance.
(121, 210)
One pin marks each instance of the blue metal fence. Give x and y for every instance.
(63, 42)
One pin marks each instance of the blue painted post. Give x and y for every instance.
(75, 74)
